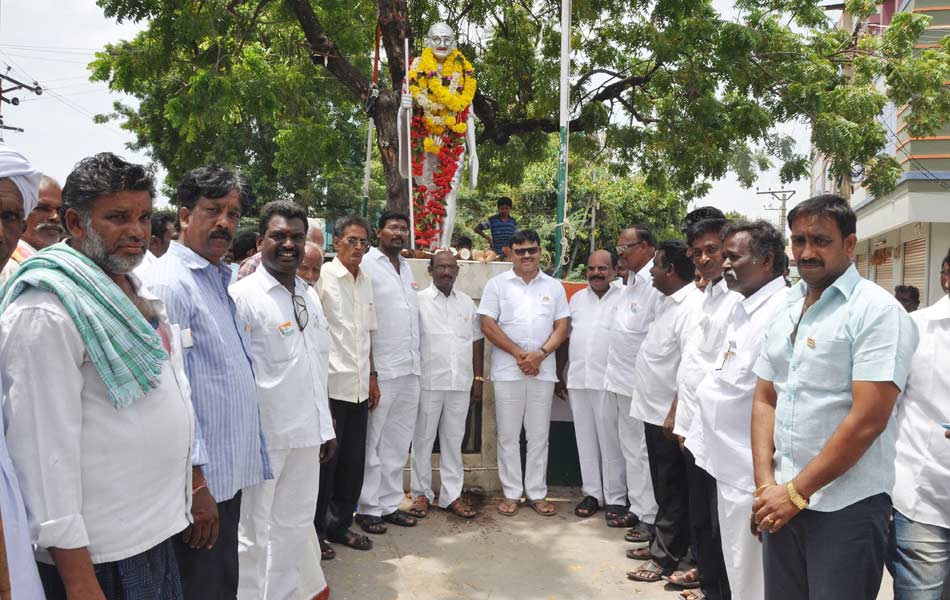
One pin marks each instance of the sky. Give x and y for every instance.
(52, 41)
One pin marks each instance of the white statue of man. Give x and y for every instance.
(441, 41)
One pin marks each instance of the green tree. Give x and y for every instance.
(681, 93)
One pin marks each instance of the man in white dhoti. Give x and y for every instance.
(754, 263)
(288, 340)
(603, 470)
(452, 353)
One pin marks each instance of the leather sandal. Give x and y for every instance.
(587, 507)
(460, 508)
(649, 572)
(420, 507)
(509, 507)
(370, 524)
(543, 507)
(639, 553)
(398, 517)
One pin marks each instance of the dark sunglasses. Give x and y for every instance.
(300, 312)
(522, 251)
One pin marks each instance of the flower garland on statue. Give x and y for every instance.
(439, 123)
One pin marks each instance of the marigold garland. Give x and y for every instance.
(439, 123)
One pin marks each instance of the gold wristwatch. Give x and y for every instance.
(796, 498)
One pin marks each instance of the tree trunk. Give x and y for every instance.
(387, 111)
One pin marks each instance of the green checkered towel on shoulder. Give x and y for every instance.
(126, 351)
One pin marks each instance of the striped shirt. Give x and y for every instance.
(501, 231)
(229, 443)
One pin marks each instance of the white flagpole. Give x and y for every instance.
(412, 216)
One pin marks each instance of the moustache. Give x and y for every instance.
(221, 234)
(811, 263)
(51, 227)
(597, 278)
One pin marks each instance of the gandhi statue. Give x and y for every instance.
(441, 41)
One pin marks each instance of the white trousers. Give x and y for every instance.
(527, 403)
(633, 443)
(603, 470)
(276, 518)
(441, 412)
(740, 549)
(388, 436)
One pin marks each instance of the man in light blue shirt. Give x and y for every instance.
(823, 438)
(230, 454)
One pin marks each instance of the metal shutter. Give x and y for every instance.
(915, 266)
(862, 265)
(884, 274)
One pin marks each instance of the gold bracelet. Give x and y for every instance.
(758, 491)
(796, 498)
(480, 378)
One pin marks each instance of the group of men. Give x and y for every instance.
(171, 433)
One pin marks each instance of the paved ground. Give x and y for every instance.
(527, 557)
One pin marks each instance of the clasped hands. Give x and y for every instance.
(772, 510)
(530, 361)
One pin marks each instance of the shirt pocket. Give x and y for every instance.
(278, 341)
(712, 334)
(634, 317)
(369, 316)
(825, 364)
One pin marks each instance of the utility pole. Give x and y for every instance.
(782, 196)
(15, 85)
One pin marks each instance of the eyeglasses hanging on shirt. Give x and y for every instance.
(300, 311)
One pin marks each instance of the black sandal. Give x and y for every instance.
(613, 511)
(352, 540)
(639, 553)
(641, 532)
(626, 520)
(370, 524)
(587, 507)
(326, 551)
(398, 517)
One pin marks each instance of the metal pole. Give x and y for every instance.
(412, 211)
(562, 154)
(366, 170)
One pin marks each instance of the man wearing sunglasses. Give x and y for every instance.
(287, 338)
(396, 370)
(524, 313)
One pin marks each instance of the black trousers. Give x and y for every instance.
(820, 555)
(670, 546)
(341, 479)
(213, 574)
(704, 531)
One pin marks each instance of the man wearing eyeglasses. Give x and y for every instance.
(287, 336)
(347, 297)
(396, 370)
(524, 313)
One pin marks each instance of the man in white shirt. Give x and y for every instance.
(285, 340)
(524, 314)
(346, 294)
(396, 369)
(603, 472)
(103, 449)
(707, 332)
(636, 248)
(754, 262)
(920, 539)
(452, 357)
(19, 185)
(653, 394)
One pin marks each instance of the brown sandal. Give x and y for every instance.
(509, 507)
(459, 508)
(543, 507)
(420, 507)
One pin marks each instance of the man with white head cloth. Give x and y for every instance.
(19, 191)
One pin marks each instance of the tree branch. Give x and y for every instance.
(394, 25)
(500, 130)
(324, 52)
